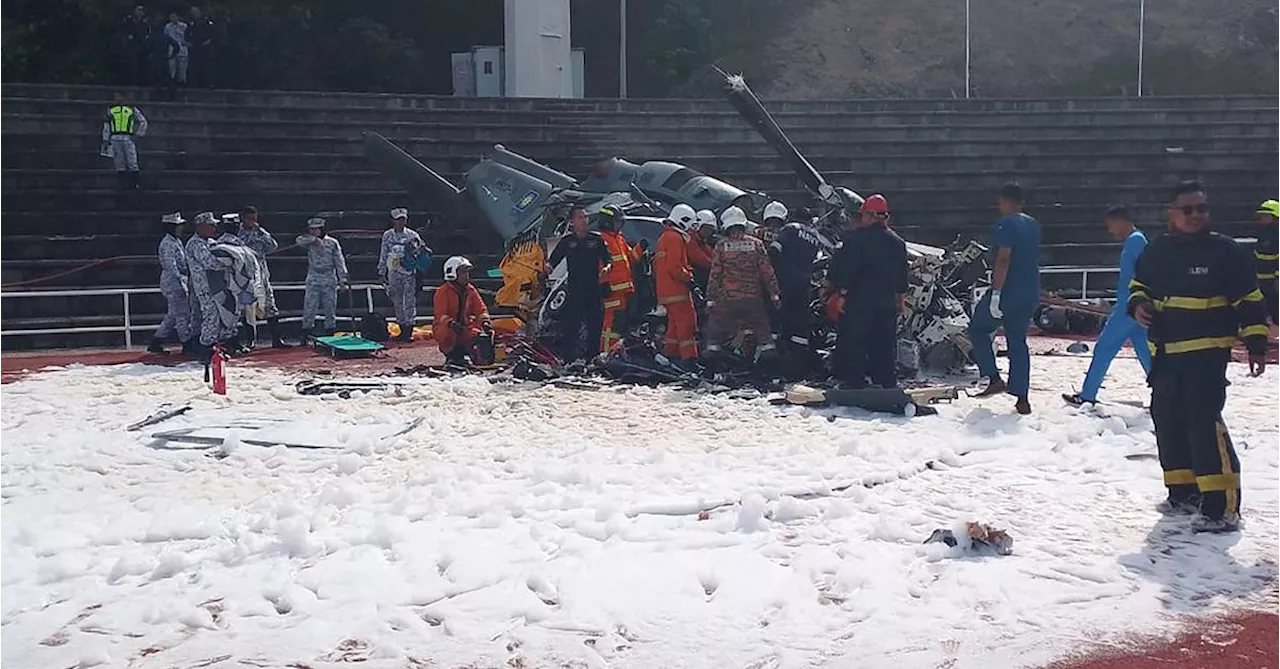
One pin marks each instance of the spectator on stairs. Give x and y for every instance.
(137, 36)
(123, 122)
(159, 49)
(200, 41)
(176, 31)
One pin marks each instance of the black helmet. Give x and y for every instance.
(612, 217)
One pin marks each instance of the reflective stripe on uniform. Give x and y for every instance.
(1228, 480)
(615, 287)
(1266, 256)
(1255, 331)
(672, 299)
(612, 304)
(1253, 296)
(1269, 276)
(1199, 344)
(1191, 303)
(797, 339)
(618, 258)
(1179, 477)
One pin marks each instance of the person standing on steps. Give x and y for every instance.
(326, 271)
(204, 306)
(173, 285)
(123, 122)
(587, 260)
(1011, 302)
(200, 37)
(260, 241)
(1197, 294)
(176, 31)
(1266, 253)
(398, 270)
(1119, 327)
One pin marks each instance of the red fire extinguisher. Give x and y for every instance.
(219, 370)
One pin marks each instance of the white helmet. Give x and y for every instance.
(731, 217)
(775, 209)
(683, 216)
(451, 267)
(706, 217)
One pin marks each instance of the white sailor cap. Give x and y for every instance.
(206, 218)
(231, 217)
(315, 222)
(173, 219)
(399, 212)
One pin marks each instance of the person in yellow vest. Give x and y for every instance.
(123, 122)
(1266, 255)
(617, 284)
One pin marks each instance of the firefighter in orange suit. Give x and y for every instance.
(701, 238)
(460, 320)
(674, 277)
(617, 285)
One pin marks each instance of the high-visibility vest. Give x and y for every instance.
(122, 119)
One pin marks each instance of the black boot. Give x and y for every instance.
(124, 181)
(156, 347)
(273, 325)
(135, 181)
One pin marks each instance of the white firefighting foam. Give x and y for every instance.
(540, 527)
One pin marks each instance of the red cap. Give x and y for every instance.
(876, 204)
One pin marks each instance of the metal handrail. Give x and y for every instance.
(128, 328)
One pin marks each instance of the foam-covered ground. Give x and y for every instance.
(543, 527)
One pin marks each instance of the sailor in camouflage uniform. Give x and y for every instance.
(260, 241)
(397, 268)
(741, 277)
(202, 261)
(326, 270)
(173, 285)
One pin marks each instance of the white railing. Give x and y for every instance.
(1084, 273)
(128, 328)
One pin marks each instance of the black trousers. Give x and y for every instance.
(866, 345)
(1196, 454)
(794, 321)
(1272, 297)
(584, 310)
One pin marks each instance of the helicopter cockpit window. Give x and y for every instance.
(679, 178)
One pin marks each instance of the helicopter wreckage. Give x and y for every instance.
(526, 203)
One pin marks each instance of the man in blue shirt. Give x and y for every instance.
(1119, 327)
(1012, 300)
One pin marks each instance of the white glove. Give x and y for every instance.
(995, 305)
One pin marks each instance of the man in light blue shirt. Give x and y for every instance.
(1012, 300)
(1119, 327)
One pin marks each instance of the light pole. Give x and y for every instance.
(966, 49)
(1142, 38)
(622, 49)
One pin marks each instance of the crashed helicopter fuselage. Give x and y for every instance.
(525, 201)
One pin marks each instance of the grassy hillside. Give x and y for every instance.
(915, 48)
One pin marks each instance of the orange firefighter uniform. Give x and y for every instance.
(620, 285)
(700, 252)
(673, 275)
(461, 305)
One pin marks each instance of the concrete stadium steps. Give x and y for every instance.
(690, 105)
(485, 112)
(801, 128)
(1247, 157)
(249, 180)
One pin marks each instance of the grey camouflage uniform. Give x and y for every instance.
(204, 309)
(326, 270)
(173, 285)
(402, 284)
(262, 243)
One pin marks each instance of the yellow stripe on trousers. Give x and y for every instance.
(1175, 477)
(1232, 498)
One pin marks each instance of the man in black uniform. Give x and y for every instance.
(1267, 254)
(1196, 293)
(871, 269)
(588, 261)
(797, 249)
